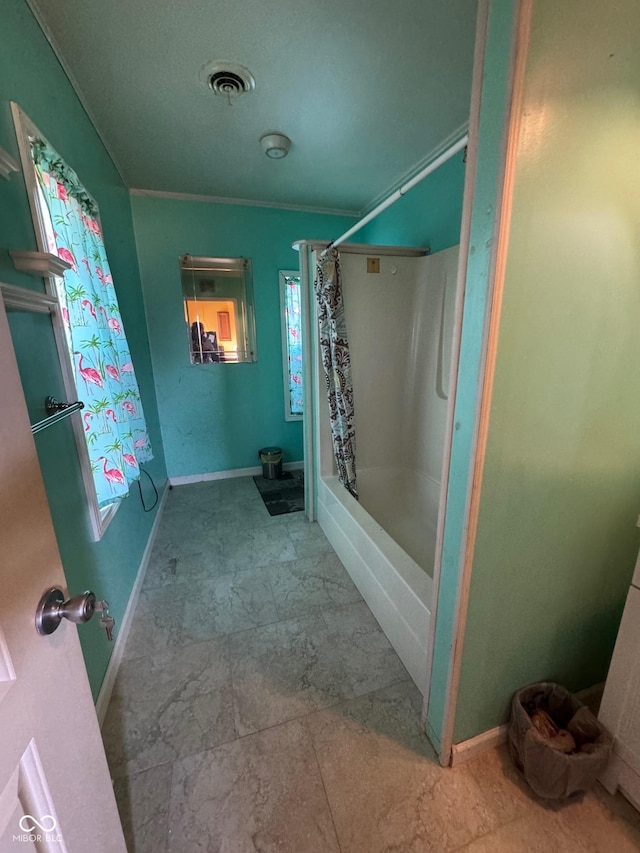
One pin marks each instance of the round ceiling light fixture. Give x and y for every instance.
(275, 145)
(228, 79)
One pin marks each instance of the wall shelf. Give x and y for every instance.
(7, 164)
(39, 263)
(23, 299)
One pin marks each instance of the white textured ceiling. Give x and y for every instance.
(366, 90)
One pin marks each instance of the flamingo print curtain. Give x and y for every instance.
(337, 365)
(114, 424)
(293, 325)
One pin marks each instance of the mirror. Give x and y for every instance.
(218, 309)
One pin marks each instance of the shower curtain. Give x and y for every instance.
(337, 365)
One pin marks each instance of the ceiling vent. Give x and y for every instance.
(227, 79)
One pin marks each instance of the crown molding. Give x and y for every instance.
(48, 34)
(246, 202)
(436, 151)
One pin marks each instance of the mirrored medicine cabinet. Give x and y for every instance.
(218, 309)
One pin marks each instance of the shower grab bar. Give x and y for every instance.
(440, 389)
(435, 164)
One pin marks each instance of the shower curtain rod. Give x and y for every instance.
(435, 164)
(365, 249)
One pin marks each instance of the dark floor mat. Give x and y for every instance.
(283, 495)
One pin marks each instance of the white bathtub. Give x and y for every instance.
(405, 502)
(397, 589)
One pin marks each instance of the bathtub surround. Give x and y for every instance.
(31, 76)
(399, 321)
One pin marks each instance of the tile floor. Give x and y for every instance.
(260, 708)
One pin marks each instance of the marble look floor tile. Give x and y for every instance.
(186, 671)
(143, 805)
(213, 501)
(233, 602)
(181, 533)
(161, 571)
(309, 585)
(534, 833)
(510, 796)
(367, 656)
(594, 822)
(203, 565)
(601, 823)
(260, 793)
(308, 539)
(138, 738)
(240, 518)
(294, 519)
(617, 808)
(182, 502)
(283, 671)
(169, 706)
(256, 546)
(385, 788)
(157, 623)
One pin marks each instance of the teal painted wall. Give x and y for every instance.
(216, 417)
(428, 215)
(560, 495)
(31, 75)
(495, 80)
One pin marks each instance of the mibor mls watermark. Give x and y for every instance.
(37, 830)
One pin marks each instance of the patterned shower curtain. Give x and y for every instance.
(114, 424)
(337, 365)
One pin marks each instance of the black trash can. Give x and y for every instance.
(271, 458)
(555, 741)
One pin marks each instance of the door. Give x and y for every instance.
(55, 789)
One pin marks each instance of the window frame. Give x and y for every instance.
(100, 518)
(283, 275)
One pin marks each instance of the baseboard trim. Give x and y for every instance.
(115, 660)
(227, 475)
(468, 749)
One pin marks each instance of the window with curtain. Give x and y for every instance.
(115, 432)
(291, 311)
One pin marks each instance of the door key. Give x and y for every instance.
(106, 619)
